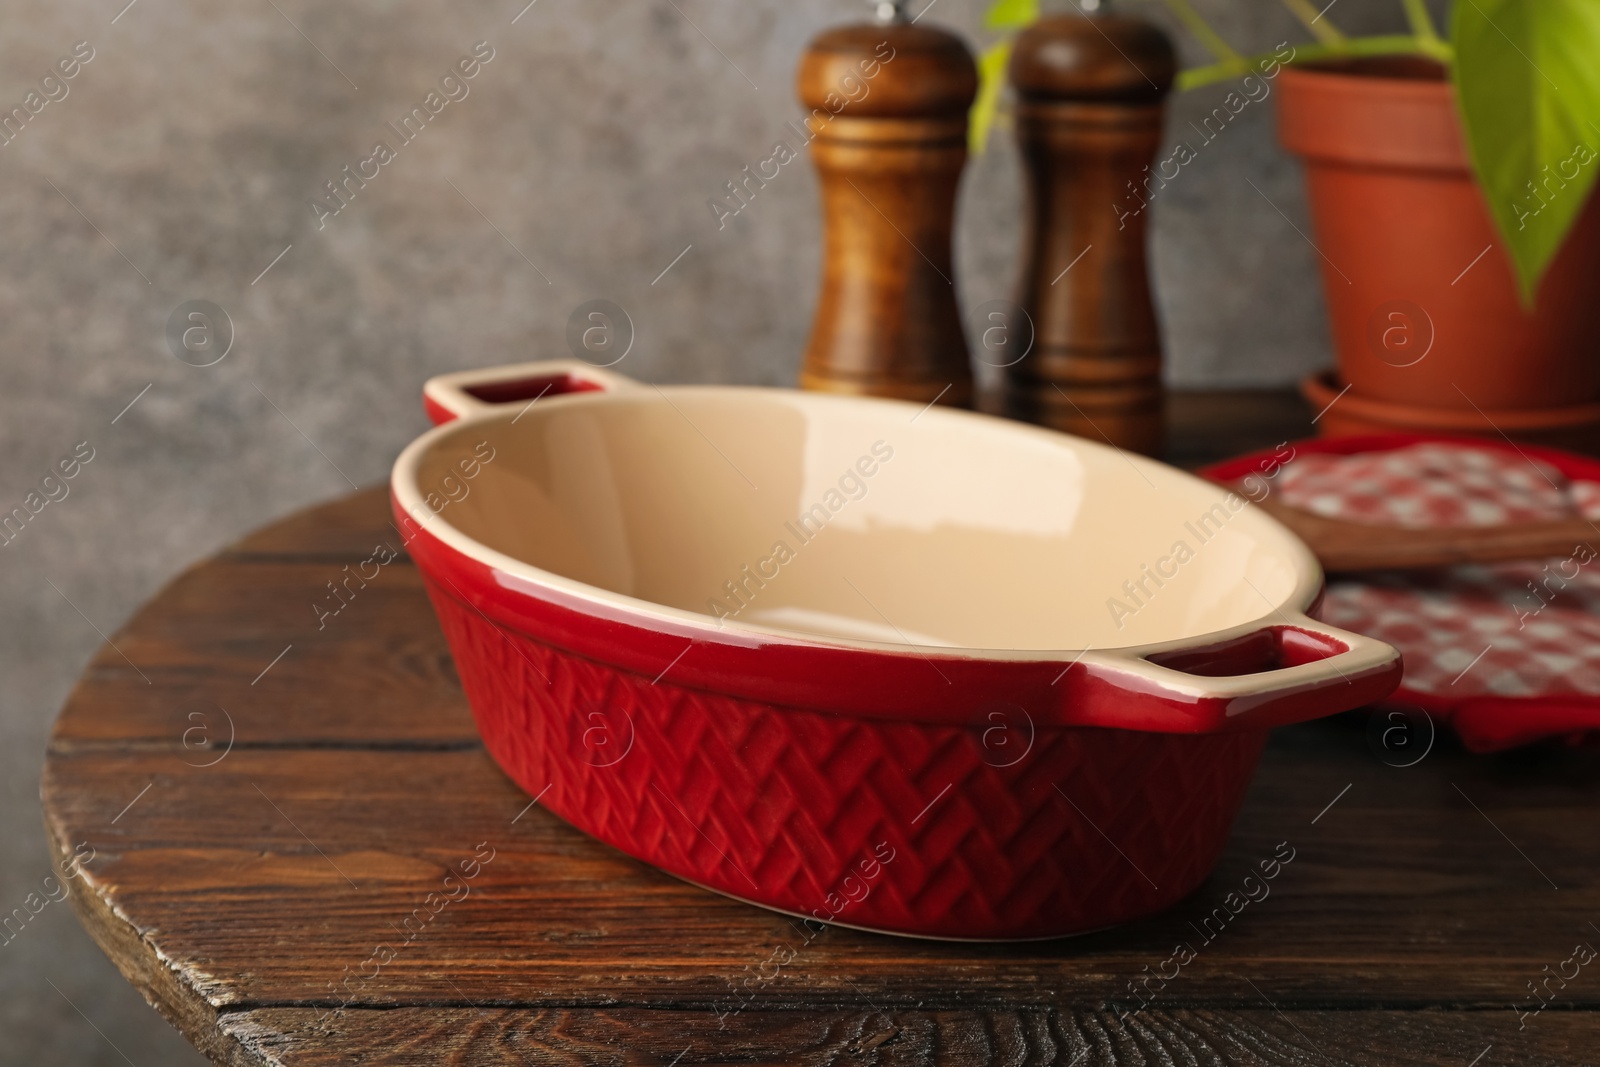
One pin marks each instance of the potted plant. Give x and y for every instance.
(1449, 181)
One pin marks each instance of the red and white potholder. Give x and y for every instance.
(1510, 652)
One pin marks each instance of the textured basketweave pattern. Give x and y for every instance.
(996, 830)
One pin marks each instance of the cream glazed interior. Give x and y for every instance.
(852, 520)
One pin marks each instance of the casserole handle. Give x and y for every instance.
(1290, 671)
(472, 392)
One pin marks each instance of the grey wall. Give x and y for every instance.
(180, 164)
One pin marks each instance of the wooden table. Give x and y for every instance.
(267, 803)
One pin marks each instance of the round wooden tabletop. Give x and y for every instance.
(284, 831)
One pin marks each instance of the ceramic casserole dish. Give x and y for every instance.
(909, 669)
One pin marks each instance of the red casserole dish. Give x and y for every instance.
(908, 669)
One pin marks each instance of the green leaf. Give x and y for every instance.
(1527, 76)
(1011, 14)
(991, 80)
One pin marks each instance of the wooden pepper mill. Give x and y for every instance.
(888, 125)
(1090, 97)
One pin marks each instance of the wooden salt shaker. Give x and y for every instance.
(1090, 98)
(888, 129)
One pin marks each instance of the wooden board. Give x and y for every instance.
(246, 887)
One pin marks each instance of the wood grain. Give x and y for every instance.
(1088, 124)
(218, 860)
(203, 653)
(496, 1037)
(889, 155)
(245, 890)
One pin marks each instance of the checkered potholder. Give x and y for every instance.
(1505, 630)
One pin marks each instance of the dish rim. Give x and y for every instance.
(528, 578)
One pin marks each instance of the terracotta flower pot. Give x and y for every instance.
(1427, 326)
